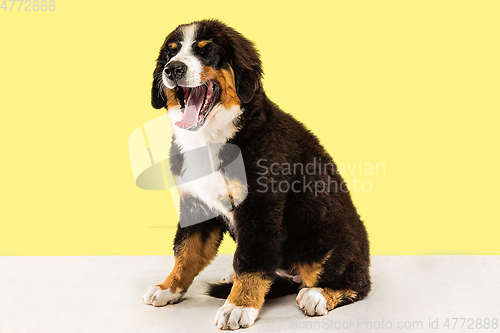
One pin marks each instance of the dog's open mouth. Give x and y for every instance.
(196, 103)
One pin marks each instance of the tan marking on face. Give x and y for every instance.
(311, 271)
(173, 46)
(204, 43)
(171, 98)
(225, 78)
(335, 297)
(191, 257)
(249, 290)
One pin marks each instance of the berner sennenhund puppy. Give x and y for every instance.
(291, 215)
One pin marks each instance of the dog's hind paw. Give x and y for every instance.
(229, 277)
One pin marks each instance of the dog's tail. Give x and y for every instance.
(280, 287)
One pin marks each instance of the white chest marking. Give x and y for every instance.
(219, 128)
(211, 189)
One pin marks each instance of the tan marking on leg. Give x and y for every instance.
(335, 297)
(191, 258)
(311, 271)
(249, 290)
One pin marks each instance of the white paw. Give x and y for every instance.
(312, 302)
(232, 317)
(229, 277)
(158, 297)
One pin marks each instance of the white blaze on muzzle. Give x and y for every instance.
(192, 78)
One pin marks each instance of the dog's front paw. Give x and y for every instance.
(312, 302)
(158, 297)
(232, 317)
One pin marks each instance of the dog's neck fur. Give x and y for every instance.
(224, 124)
(220, 127)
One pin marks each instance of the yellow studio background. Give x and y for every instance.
(410, 87)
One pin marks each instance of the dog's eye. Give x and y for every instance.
(169, 53)
(201, 51)
(170, 50)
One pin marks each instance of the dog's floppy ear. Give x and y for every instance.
(247, 67)
(158, 99)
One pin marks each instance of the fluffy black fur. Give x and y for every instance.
(276, 230)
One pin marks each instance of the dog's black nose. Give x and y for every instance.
(175, 70)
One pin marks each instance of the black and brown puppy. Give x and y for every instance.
(290, 214)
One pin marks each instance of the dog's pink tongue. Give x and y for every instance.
(189, 118)
(193, 106)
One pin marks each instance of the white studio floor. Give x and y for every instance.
(104, 294)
